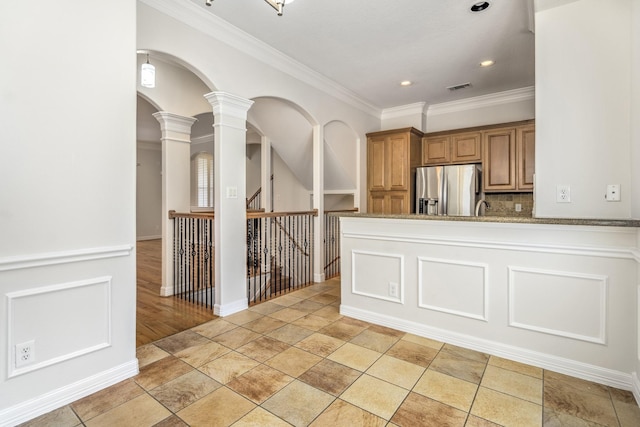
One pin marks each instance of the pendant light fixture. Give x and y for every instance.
(148, 74)
(278, 5)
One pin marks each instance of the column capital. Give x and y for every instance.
(230, 105)
(170, 122)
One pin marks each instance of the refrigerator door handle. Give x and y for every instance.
(445, 192)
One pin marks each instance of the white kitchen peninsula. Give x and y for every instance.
(560, 294)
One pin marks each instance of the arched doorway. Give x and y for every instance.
(179, 91)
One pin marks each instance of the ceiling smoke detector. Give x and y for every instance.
(480, 6)
(458, 87)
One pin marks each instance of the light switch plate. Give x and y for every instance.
(232, 192)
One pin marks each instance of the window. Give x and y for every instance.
(203, 170)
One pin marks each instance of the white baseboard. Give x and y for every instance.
(55, 399)
(166, 291)
(318, 277)
(573, 368)
(159, 236)
(231, 308)
(636, 386)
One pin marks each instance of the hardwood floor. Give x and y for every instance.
(159, 317)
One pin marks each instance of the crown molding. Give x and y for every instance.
(228, 104)
(403, 110)
(498, 98)
(171, 122)
(190, 14)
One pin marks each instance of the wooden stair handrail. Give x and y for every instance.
(204, 215)
(342, 210)
(254, 215)
(252, 198)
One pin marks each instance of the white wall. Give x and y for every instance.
(502, 107)
(254, 158)
(241, 71)
(288, 193)
(148, 191)
(635, 110)
(340, 157)
(176, 87)
(334, 202)
(583, 99)
(411, 115)
(67, 266)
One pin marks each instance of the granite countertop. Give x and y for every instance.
(502, 219)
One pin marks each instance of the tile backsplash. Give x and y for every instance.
(504, 204)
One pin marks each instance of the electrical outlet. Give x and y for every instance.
(563, 194)
(613, 193)
(518, 207)
(393, 289)
(25, 353)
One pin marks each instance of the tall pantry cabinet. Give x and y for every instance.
(392, 158)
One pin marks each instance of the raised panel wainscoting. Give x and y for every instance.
(561, 297)
(76, 308)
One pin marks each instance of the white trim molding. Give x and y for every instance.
(229, 309)
(55, 399)
(562, 277)
(142, 238)
(566, 366)
(101, 341)
(562, 297)
(63, 257)
(403, 110)
(191, 14)
(498, 98)
(485, 288)
(384, 295)
(470, 243)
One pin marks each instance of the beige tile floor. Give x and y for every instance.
(297, 361)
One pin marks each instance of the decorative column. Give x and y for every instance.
(176, 183)
(265, 169)
(318, 203)
(230, 148)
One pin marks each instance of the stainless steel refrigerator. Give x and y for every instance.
(448, 190)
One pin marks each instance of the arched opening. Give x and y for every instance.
(179, 90)
(289, 130)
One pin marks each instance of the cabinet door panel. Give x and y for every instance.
(436, 150)
(398, 203)
(499, 160)
(399, 163)
(376, 168)
(466, 148)
(526, 157)
(377, 202)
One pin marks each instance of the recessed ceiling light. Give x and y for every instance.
(406, 83)
(487, 63)
(480, 6)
